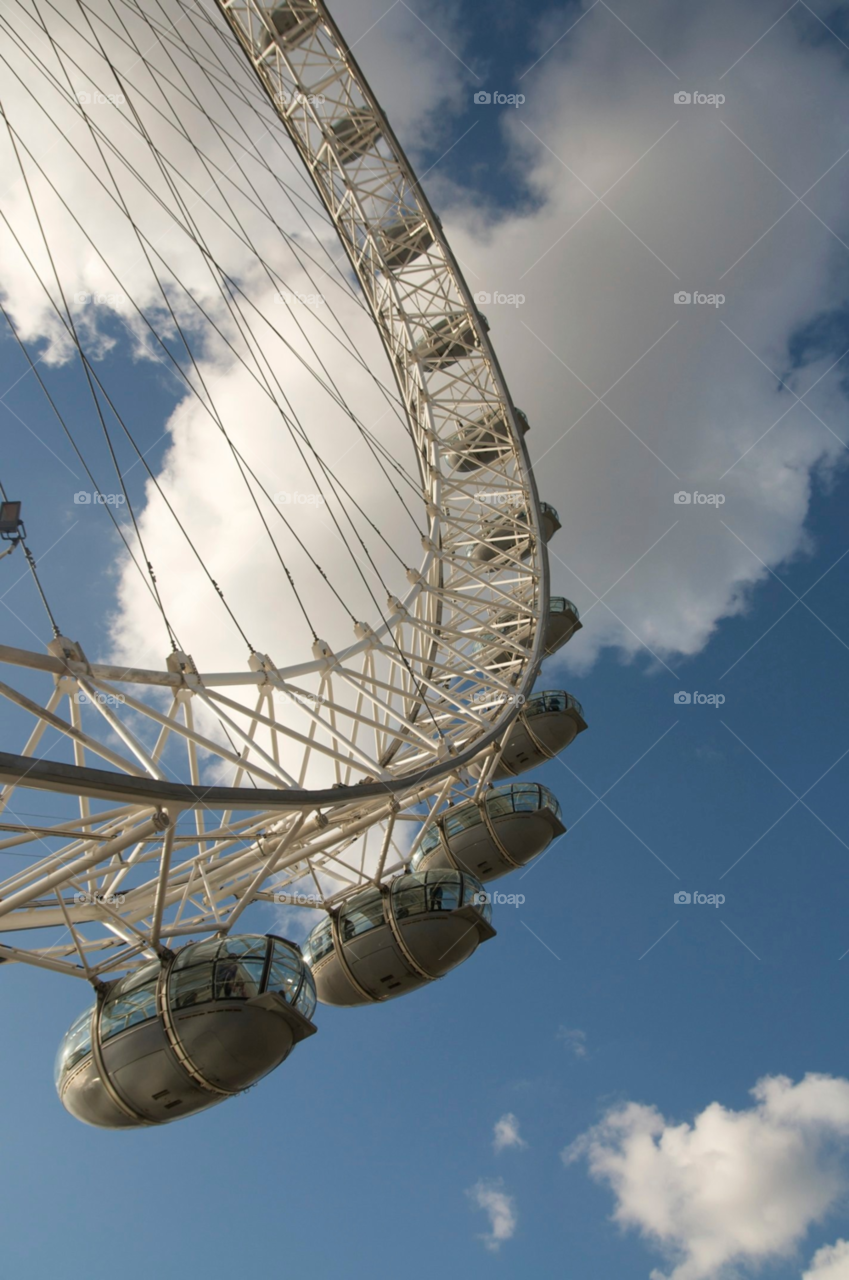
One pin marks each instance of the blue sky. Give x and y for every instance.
(363, 1151)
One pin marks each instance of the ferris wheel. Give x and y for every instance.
(366, 773)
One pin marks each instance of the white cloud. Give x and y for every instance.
(575, 1040)
(490, 1196)
(599, 299)
(831, 1262)
(596, 302)
(733, 1187)
(506, 1133)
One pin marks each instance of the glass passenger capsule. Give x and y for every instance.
(508, 828)
(547, 723)
(176, 1038)
(355, 134)
(448, 341)
(292, 22)
(403, 242)
(388, 940)
(561, 624)
(500, 534)
(481, 443)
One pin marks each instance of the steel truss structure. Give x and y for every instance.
(412, 713)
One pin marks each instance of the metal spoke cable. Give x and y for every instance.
(78, 345)
(95, 486)
(231, 302)
(177, 365)
(204, 249)
(190, 353)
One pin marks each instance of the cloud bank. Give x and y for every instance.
(732, 1187)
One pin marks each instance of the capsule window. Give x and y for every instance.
(284, 976)
(320, 942)
(237, 979)
(131, 1001)
(363, 913)
(430, 840)
(191, 986)
(467, 815)
(75, 1046)
(418, 894)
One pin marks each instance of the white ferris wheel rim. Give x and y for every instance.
(289, 73)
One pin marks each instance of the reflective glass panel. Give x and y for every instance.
(238, 979)
(320, 941)
(197, 952)
(553, 700)
(128, 1009)
(461, 818)
(429, 841)
(190, 986)
(306, 1000)
(131, 1001)
(75, 1046)
(247, 944)
(432, 891)
(361, 914)
(443, 890)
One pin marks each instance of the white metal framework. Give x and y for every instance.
(413, 710)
